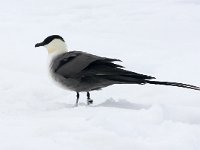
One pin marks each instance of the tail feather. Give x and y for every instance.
(174, 84)
(128, 79)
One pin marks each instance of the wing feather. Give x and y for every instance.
(108, 68)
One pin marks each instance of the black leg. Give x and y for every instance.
(89, 101)
(77, 98)
(88, 95)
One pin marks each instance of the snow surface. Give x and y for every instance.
(154, 37)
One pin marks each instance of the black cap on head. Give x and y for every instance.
(49, 39)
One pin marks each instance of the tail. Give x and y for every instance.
(139, 79)
(174, 84)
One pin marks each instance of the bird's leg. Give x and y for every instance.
(77, 98)
(89, 101)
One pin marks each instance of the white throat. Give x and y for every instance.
(56, 47)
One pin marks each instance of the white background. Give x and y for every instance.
(160, 38)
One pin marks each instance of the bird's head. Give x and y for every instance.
(54, 44)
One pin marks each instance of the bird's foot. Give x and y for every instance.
(89, 101)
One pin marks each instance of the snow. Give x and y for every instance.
(154, 37)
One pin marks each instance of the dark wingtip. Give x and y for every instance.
(113, 59)
(118, 60)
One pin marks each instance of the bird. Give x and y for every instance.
(84, 72)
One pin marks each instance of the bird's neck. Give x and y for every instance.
(55, 52)
(56, 47)
(52, 53)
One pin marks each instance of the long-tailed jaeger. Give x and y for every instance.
(83, 72)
